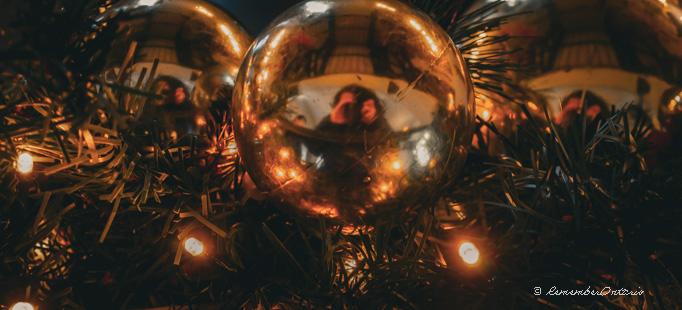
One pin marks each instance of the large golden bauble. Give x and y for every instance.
(619, 51)
(199, 49)
(353, 110)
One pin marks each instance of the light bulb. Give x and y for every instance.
(22, 306)
(469, 253)
(194, 246)
(25, 163)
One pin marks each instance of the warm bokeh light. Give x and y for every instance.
(25, 163)
(396, 165)
(284, 153)
(451, 102)
(328, 211)
(532, 106)
(22, 306)
(232, 147)
(194, 246)
(201, 121)
(469, 253)
(486, 115)
(456, 209)
(350, 265)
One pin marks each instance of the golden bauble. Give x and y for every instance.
(199, 49)
(617, 51)
(353, 110)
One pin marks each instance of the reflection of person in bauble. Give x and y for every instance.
(666, 143)
(175, 108)
(300, 121)
(573, 105)
(354, 123)
(355, 107)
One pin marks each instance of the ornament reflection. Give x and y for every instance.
(352, 110)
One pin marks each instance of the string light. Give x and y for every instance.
(486, 115)
(194, 246)
(232, 147)
(25, 163)
(396, 165)
(22, 306)
(469, 253)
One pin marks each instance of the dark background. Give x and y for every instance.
(255, 14)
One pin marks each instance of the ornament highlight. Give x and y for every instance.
(186, 52)
(469, 253)
(24, 163)
(194, 246)
(353, 110)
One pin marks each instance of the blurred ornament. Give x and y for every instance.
(198, 48)
(616, 51)
(353, 110)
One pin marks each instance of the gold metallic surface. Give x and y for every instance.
(307, 130)
(620, 51)
(199, 49)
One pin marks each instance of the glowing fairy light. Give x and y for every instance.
(201, 121)
(350, 265)
(232, 147)
(423, 154)
(486, 115)
(194, 246)
(284, 153)
(532, 106)
(22, 306)
(469, 253)
(24, 163)
(395, 165)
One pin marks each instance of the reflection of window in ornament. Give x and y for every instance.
(351, 54)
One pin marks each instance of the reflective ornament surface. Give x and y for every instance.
(186, 51)
(618, 51)
(353, 110)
